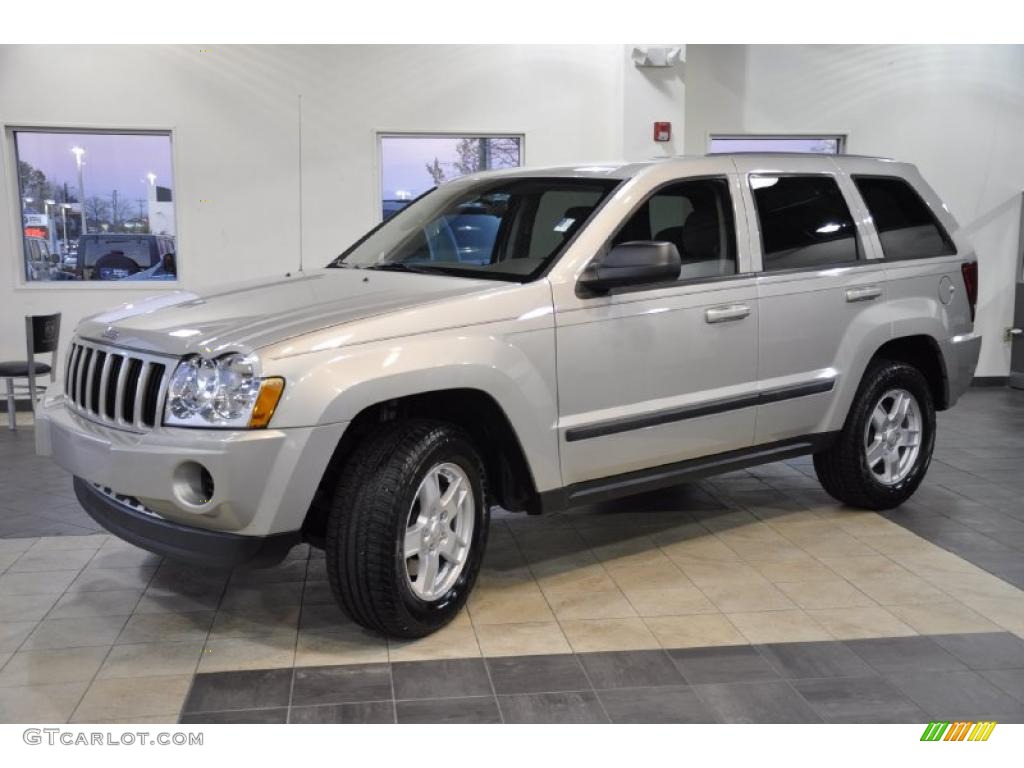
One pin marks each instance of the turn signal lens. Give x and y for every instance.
(266, 402)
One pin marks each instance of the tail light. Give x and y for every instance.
(970, 273)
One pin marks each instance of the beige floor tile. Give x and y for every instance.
(75, 633)
(234, 653)
(167, 600)
(118, 602)
(827, 593)
(151, 659)
(4, 657)
(123, 557)
(14, 633)
(167, 628)
(40, 703)
(702, 573)
(778, 627)
(943, 618)
(52, 582)
(630, 552)
(522, 639)
(669, 602)
(1006, 612)
(860, 622)
(806, 568)
(451, 642)
(132, 697)
(105, 579)
(255, 622)
(584, 578)
(900, 590)
(608, 635)
(695, 631)
(352, 645)
(661, 575)
(969, 588)
(835, 544)
(64, 543)
(935, 563)
(67, 665)
(17, 546)
(169, 718)
(497, 576)
(701, 548)
(35, 561)
(570, 606)
(509, 605)
(865, 524)
(865, 567)
(897, 542)
(6, 561)
(268, 596)
(746, 595)
(25, 607)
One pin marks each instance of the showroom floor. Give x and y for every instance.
(746, 598)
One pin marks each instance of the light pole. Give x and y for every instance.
(49, 223)
(78, 152)
(64, 216)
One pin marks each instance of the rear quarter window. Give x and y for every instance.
(907, 229)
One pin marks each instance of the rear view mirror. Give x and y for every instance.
(640, 262)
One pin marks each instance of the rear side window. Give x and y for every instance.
(805, 222)
(696, 217)
(906, 227)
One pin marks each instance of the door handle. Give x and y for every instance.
(725, 314)
(867, 293)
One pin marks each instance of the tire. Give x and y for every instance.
(845, 469)
(376, 499)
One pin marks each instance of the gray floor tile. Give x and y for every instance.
(478, 709)
(338, 685)
(763, 702)
(455, 678)
(1009, 680)
(859, 700)
(278, 715)
(996, 650)
(256, 689)
(630, 669)
(670, 704)
(566, 707)
(904, 654)
(729, 664)
(537, 674)
(809, 660)
(356, 712)
(962, 695)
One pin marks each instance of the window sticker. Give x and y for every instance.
(564, 224)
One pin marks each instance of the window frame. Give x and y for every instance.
(736, 208)
(943, 232)
(841, 137)
(862, 250)
(378, 155)
(9, 169)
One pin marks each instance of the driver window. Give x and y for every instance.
(696, 217)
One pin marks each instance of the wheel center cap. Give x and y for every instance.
(892, 436)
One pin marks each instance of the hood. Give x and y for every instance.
(254, 315)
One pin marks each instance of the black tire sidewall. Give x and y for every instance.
(887, 377)
(443, 446)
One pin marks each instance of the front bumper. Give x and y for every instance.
(263, 480)
(182, 542)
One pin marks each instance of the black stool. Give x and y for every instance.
(42, 333)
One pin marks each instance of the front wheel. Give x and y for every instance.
(885, 447)
(407, 528)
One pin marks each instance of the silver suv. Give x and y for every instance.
(535, 340)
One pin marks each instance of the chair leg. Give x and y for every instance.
(12, 421)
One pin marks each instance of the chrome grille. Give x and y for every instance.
(119, 387)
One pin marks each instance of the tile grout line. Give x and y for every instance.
(295, 647)
(202, 648)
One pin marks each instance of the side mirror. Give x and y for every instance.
(639, 262)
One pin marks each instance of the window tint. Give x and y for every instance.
(696, 216)
(805, 222)
(906, 228)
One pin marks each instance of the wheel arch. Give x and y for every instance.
(923, 352)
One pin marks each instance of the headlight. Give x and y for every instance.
(226, 392)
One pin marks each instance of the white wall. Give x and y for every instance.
(957, 112)
(234, 113)
(650, 95)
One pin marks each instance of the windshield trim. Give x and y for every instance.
(612, 186)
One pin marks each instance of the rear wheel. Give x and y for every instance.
(407, 529)
(885, 447)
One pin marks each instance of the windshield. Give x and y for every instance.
(508, 229)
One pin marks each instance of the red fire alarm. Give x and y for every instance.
(663, 131)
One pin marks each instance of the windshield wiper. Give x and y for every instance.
(397, 266)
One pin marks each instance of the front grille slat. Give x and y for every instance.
(114, 386)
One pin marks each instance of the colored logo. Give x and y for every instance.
(958, 731)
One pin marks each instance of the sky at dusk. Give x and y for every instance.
(404, 162)
(112, 162)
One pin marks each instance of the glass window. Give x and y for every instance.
(507, 229)
(819, 145)
(906, 227)
(805, 222)
(696, 216)
(410, 165)
(100, 205)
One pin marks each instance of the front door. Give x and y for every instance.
(654, 375)
(1016, 333)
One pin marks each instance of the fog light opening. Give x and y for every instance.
(193, 484)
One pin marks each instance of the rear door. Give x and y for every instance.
(820, 289)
